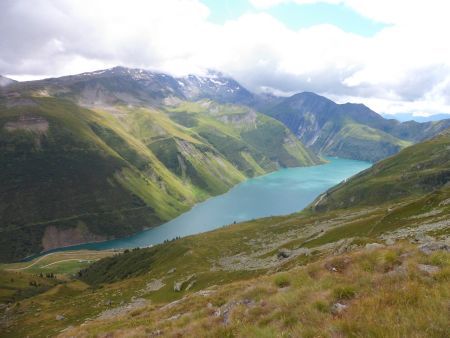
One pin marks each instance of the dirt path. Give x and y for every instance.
(65, 260)
(53, 253)
(34, 263)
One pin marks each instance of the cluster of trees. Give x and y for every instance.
(171, 240)
(47, 275)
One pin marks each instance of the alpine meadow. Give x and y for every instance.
(248, 168)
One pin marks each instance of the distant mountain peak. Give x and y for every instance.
(348, 130)
(140, 86)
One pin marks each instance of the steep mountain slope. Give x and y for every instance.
(415, 171)
(121, 85)
(349, 130)
(216, 86)
(251, 141)
(72, 175)
(330, 269)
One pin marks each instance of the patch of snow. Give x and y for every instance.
(219, 83)
(98, 72)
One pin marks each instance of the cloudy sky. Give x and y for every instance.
(392, 55)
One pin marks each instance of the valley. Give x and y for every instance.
(282, 192)
(157, 145)
(146, 166)
(201, 209)
(224, 169)
(338, 262)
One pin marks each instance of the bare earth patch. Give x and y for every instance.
(35, 124)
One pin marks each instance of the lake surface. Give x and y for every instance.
(282, 192)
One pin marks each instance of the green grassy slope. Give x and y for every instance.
(72, 175)
(358, 141)
(237, 254)
(416, 170)
(278, 268)
(251, 141)
(377, 293)
(77, 173)
(348, 130)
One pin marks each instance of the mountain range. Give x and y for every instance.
(404, 117)
(104, 154)
(350, 252)
(349, 130)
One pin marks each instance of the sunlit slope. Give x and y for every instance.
(72, 175)
(253, 142)
(257, 277)
(348, 130)
(416, 170)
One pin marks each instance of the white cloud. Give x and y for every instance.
(403, 68)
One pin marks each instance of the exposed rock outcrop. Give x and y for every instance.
(55, 237)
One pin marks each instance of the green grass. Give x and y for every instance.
(349, 130)
(240, 264)
(123, 276)
(377, 304)
(417, 170)
(118, 171)
(282, 280)
(61, 263)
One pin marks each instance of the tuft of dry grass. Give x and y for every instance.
(380, 302)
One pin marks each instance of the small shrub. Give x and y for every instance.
(344, 292)
(390, 260)
(313, 270)
(282, 280)
(439, 258)
(368, 263)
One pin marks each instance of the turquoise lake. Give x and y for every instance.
(282, 192)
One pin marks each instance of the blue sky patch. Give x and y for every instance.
(297, 16)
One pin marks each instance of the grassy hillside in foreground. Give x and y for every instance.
(367, 293)
(121, 288)
(277, 274)
(72, 175)
(416, 170)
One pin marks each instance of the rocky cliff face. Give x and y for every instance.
(55, 237)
